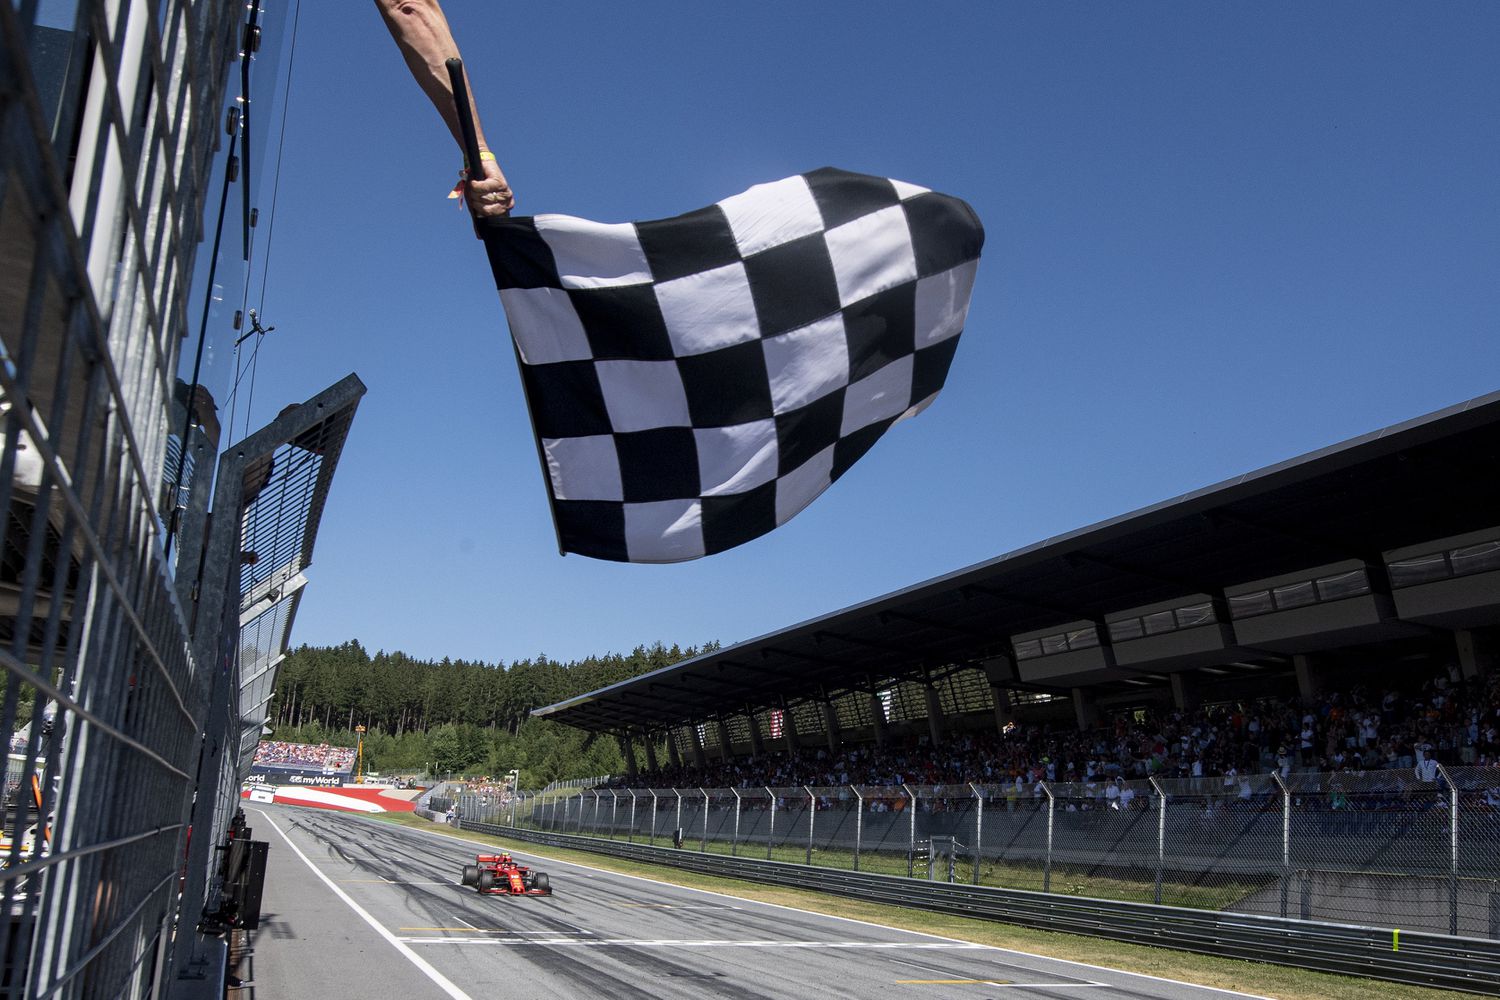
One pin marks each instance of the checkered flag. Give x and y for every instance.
(695, 381)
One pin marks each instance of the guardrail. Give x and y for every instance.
(1455, 963)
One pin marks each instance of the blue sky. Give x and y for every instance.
(1218, 236)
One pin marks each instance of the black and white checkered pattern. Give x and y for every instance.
(696, 381)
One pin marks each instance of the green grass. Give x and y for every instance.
(1281, 982)
(1065, 880)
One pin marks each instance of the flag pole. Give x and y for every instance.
(471, 154)
(465, 124)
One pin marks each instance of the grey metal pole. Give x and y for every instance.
(614, 805)
(1161, 834)
(812, 811)
(704, 848)
(630, 832)
(515, 800)
(581, 794)
(734, 844)
(1047, 864)
(771, 833)
(1453, 851)
(859, 823)
(911, 827)
(651, 836)
(677, 823)
(1286, 839)
(596, 814)
(978, 829)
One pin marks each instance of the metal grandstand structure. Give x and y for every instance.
(1391, 538)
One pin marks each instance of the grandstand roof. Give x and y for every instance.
(1426, 479)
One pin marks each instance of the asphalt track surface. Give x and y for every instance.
(355, 908)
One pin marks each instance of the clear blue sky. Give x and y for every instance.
(1219, 236)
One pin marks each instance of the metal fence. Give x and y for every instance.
(1374, 848)
(137, 639)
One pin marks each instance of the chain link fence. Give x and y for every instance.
(1384, 848)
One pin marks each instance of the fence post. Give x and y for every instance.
(704, 849)
(978, 828)
(1286, 839)
(651, 834)
(771, 832)
(596, 813)
(734, 843)
(911, 827)
(1047, 863)
(1452, 850)
(614, 805)
(581, 793)
(677, 823)
(1161, 834)
(859, 823)
(515, 798)
(630, 830)
(812, 812)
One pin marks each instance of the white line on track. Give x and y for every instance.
(441, 981)
(705, 943)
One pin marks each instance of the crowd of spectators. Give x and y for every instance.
(1360, 729)
(276, 753)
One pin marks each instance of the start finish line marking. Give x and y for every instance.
(703, 943)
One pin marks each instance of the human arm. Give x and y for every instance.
(422, 34)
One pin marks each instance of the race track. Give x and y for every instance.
(357, 908)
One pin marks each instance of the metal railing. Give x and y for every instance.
(1455, 963)
(1423, 855)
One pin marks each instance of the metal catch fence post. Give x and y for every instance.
(771, 831)
(677, 823)
(1161, 834)
(911, 827)
(812, 811)
(704, 848)
(630, 831)
(614, 807)
(859, 824)
(1047, 863)
(1453, 850)
(651, 834)
(1286, 840)
(734, 843)
(978, 829)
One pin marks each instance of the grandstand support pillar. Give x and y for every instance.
(672, 753)
(700, 757)
(934, 713)
(650, 741)
(1184, 695)
(757, 745)
(627, 750)
(1084, 710)
(1476, 656)
(789, 728)
(1004, 715)
(1307, 684)
(877, 717)
(831, 726)
(725, 751)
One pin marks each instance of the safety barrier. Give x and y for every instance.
(1446, 962)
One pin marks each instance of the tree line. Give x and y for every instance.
(454, 716)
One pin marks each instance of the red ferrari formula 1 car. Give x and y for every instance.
(499, 875)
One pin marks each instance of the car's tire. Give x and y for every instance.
(471, 875)
(541, 882)
(486, 881)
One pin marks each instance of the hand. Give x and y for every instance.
(489, 196)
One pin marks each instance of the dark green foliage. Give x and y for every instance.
(454, 716)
